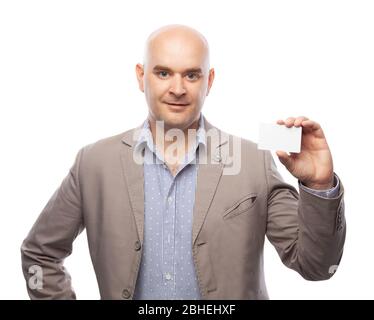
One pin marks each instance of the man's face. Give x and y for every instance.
(175, 79)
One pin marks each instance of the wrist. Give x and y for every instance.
(320, 185)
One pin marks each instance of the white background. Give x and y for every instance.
(67, 79)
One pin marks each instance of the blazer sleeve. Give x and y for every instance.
(308, 231)
(50, 241)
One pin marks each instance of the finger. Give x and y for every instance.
(309, 124)
(280, 122)
(284, 158)
(282, 154)
(289, 122)
(298, 121)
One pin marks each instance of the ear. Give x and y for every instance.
(140, 76)
(210, 80)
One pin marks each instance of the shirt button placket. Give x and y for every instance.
(168, 239)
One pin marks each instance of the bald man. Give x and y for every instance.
(178, 209)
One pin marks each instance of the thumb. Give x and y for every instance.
(285, 159)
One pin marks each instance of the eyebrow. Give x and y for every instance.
(158, 67)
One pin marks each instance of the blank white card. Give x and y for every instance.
(279, 137)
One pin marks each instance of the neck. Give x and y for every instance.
(173, 143)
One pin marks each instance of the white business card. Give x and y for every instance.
(279, 137)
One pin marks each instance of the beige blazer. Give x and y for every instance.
(104, 193)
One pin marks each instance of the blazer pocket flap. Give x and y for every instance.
(241, 206)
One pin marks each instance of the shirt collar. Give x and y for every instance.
(145, 138)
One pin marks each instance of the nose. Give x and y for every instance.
(177, 86)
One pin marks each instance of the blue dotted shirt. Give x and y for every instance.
(167, 270)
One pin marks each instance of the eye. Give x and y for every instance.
(193, 76)
(163, 74)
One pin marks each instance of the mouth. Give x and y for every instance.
(177, 107)
(177, 104)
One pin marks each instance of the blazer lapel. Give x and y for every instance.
(208, 176)
(134, 178)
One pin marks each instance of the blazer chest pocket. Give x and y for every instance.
(241, 206)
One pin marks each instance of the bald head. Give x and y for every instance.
(177, 40)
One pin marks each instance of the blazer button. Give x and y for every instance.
(137, 245)
(126, 294)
